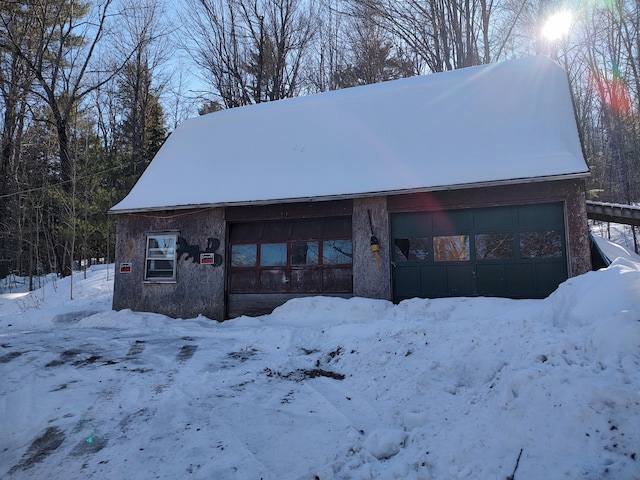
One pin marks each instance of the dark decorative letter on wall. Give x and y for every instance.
(193, 251)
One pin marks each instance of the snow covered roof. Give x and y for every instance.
(610, 251)
(500, 123)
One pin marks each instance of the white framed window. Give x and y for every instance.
(160, 259)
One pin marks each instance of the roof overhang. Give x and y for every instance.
(516, 181)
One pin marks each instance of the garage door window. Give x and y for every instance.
(451, 248)
(494, 246)
(304, 253)
(243, 255)
(414, 249)
(546, 244)
(273, 254)
(337, 252)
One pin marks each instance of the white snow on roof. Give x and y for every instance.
(612, 250)
(511, 121)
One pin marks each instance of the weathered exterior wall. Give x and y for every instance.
(369, 280)
(199, 289)
(577, 229)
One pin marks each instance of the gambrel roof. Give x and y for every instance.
(493, 124)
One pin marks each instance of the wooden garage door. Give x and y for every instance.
(510, 251)
(273, 261)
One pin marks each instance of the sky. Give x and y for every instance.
(325, 388)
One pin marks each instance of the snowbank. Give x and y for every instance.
(325, 387)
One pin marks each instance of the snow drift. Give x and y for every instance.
(325, 388)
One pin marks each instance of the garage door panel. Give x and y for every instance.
(520, 279)
(337, 280)
(495, 219)
(274, 281)
(460, 280)
(305, 280)
(452, 221)
(406, 279)
(548, 275)
(411, 224)
(243, 281)
(514, 251)
(538, 216)
(433, 281)
(491, 279)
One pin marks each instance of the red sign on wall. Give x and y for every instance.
(125, 268)
(207, 258)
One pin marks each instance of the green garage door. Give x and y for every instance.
(514, 251)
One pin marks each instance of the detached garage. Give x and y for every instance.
(462, 183)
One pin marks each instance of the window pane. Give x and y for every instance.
(160, 268)
(161, 247)
(336, 252)
(411, 249)
(273, 254)
(546, 244)
(304, 253)
(160, 262)
(494, 246)
(243, 255)
(451, 248)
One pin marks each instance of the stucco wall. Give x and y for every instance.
(199, 289)
(369, 280)
(577, 229)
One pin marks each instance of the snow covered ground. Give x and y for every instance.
(324, 388)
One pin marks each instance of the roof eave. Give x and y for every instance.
(461, 186)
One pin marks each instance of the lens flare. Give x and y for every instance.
(557, 26)
(612, 90)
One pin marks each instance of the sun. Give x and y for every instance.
(557, 26)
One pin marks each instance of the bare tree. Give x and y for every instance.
(370, 54)
(607, 99)
(446, 34)
(58, 56)
(327, 47)
(251, 51)
(141, 125)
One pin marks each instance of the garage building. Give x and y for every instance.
(464, 183)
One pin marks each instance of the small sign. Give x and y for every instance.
(125, 268)
(207, 258)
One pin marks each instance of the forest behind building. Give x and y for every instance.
(89, 91)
